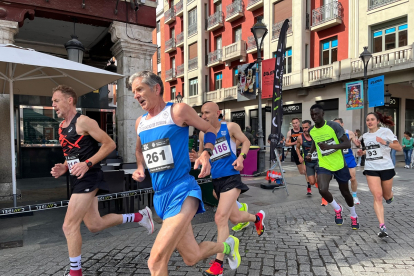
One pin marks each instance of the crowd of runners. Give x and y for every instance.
(321, 150)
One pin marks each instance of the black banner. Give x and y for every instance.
(277, 103)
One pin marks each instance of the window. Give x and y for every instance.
(237, 34)
(158, 26)
(158, 55)
(172, 33)
(218, 42)
(389, 38)
(173, 63)
(287, 64)
(193, 87)
(218, 80)
(192, 17)
(329, 51)
(235, 76)
(217, 6)
(173, 93)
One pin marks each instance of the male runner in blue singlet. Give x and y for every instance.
(162, 145)
(225, 171)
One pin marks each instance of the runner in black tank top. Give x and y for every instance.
(79, 136)
(291, 140)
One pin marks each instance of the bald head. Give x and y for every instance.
(211, 106)
(210, 112)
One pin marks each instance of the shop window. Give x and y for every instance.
(390, 37)
(329, 50)
(193, 87)
(218, 80)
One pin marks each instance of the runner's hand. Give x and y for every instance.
(380, 140)
(139, 175)
(300, 159)
(308, 158)
(360, 152)
(58, 170)
(204, 161)
(193, 155)
(238, 163)
(324, 146)
(79, 169)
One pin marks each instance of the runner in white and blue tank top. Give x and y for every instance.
(162, 146)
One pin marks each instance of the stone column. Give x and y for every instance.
(8, 29)
(133, 50)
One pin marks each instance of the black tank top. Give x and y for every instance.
(306, 145)
(294, 136)
(73, 144)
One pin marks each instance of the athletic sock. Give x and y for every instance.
(382, 225)
(309, 185)
(335, 205)
(75, 263)
(219, 261)
(239, 205)
(257, 219)
(134, 217)
(227, 248)
(354, 194)
(352, 210)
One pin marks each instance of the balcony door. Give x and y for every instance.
(330, 11)
(218, 43)
(173, 63)
(237, 34)
(172, 33)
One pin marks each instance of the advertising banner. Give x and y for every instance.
(354, 95)
(376, 91)
(246, 88)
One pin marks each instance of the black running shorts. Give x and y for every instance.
(383, 175)
(227, 183)
(89, 182)
(295, 157)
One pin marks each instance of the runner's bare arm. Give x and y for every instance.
(298, 145)
(353, 138)
(343, 144)
(238, 135)
(288, 141)
(139, 174)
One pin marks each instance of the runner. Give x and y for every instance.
(162, 145)
(225, 171)
(379, 168)
(79, 136)
(327, 135)
(350, 159)
(305, 141)
(291, 138)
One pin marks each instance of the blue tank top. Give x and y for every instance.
(165, 148)
(347, 152)
(224, 154)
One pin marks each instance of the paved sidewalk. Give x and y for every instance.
(301, 238)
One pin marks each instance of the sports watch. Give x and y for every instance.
(209, 151)
(244, 155)
(88, 163)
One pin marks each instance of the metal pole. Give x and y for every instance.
(261, 167)
(13, 154)
(365, 98)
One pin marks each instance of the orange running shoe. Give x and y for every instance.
(215, 269)
(260, 227)
(324, 202)
(316, 185)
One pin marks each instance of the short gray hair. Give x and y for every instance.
(149, 79)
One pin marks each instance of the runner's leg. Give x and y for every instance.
(344, 188)
(374, 184)
(387, 189)
(323, 186)
(354, 183)
(95, 222)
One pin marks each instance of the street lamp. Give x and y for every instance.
(365, 57)
(179, 98)
(387, 96)
(259, 31)
(75, 48)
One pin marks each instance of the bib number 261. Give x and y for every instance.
(158, 155)
(155, 157)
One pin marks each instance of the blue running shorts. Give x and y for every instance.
(350, 161)
(168, 202)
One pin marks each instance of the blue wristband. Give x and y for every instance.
(210, 137)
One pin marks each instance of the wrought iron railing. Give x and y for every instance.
(251, 43)
(373, 4)
(170, 74)
(326, 12)
(215, 18)
(193, 64)
(252, 2)
(170, 43)
(215, 56)
(233, 8)
(278, 26)
(192, 29)
(180, 38)
(179, 7)
(169, 14)
(180, 70)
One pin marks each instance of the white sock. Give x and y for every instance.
(128, 218)
(335, 205)
(352, 210)
(75, 263)
(238, 204)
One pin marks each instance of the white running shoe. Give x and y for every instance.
(356, 200)
(146, 220)
(234, 255)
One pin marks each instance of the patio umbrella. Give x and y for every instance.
(27, 72)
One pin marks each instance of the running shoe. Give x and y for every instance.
(241, 225)
(390, 200)
(260, 227)
(324, 202)
(316, 184)
(356, 200)
(383, 232)
(74, 272)
(234, 255)
(309, 191)
(354, 223)
(338, 216)
(146, 220)
(215, 269)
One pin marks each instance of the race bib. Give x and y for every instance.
(314, 155)
(71, 161)
(221, 149)
(345, 151)
(373, 152)
(329, 151)
(158, 155)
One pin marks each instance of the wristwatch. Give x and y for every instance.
(244, 155)
(209, 151)
(88, 163)
(387, 143)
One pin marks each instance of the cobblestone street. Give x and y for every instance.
(301, 238)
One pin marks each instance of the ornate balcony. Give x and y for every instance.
(171, 75)
(179, 8)
(215, 58)
(278, 26)
(254, 5)
(234, 51)
(180, 71)
(234, 10)
(169, 16)
(327, 16)
(251, 45)
(373, 4)
(193, 64)
(215, 21)
(180, 40)
(192, 29)
(170, 45)
(223, 94)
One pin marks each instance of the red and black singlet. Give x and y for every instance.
(73, 144)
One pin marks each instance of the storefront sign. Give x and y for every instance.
(394, 103)
(238, 115)
(354, 95)
(293, 108)
(376, 91)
